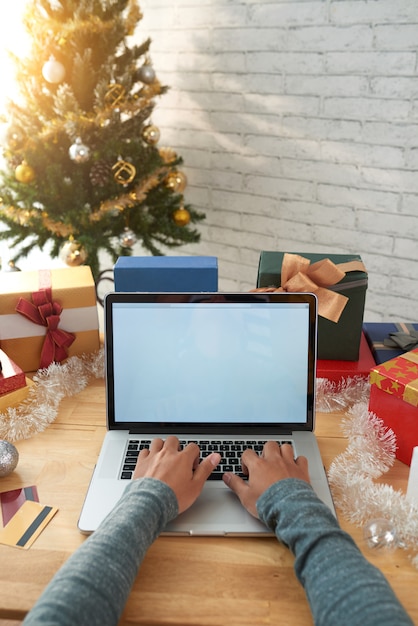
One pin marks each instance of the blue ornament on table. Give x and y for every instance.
(9, 458)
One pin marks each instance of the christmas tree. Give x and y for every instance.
(83, 170)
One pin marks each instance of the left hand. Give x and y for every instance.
(179, 469)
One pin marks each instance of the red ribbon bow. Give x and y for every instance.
(45, 312)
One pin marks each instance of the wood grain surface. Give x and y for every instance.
(185, 581)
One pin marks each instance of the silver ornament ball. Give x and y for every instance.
(79, 153)
(9, 458)
(380, 534)
(146, 74)
(127, 238)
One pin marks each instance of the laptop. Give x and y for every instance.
(227, 370)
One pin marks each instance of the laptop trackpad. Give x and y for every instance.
(216, 511)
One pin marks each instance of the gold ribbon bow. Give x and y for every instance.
(299, 275)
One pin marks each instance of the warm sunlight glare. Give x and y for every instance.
(13, 37)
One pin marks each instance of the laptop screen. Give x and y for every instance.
(201, 362)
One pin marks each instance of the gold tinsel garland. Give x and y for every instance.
(136, 196)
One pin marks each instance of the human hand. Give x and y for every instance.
(275, 463)
(179, 469)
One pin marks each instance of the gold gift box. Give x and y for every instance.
(73, 288)
(13, 398)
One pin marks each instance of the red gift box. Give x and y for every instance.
(337, 370)
(394, 399)
(11, 376)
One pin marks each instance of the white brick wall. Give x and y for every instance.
(298, 124)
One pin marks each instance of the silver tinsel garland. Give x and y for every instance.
(370, 453)
(54, 383)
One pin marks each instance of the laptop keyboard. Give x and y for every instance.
(230, 451)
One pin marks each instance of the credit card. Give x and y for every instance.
(11, 501)
(27, 524)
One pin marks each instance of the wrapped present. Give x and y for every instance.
(166, 273)
(13, 398)
(394, 399)
(338, 370)
(48, 315)
(12, 376)
(339, 282)
(388, 340)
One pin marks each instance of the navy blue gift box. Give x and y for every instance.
(378, 334)
(166, 273)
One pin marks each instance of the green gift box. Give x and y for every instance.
(339, 332)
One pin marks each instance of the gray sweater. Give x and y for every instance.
(342, 587)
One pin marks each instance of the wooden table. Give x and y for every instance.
(183, 581)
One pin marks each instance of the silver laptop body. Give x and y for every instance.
(206, 367)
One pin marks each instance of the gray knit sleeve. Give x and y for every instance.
(93, 585)
(341, 585)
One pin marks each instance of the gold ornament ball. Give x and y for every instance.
(24, 173)
(151, 134)
(176, 181)
(73, 253)
(181, 217)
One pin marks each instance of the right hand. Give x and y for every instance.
(275, 463)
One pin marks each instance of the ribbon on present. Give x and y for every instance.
(404, 340)
(43, 310)
(299, 275)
